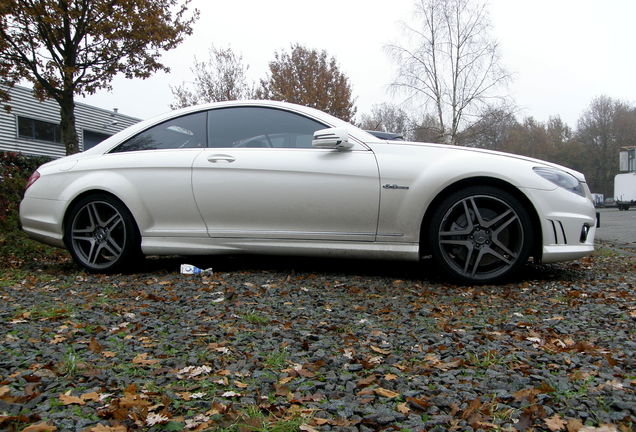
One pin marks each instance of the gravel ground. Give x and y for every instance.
(286, 344)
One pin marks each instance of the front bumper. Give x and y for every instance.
(568, 224)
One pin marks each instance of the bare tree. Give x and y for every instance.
(453, 63)
(427, 129)
(388, 118)
(492, 129)
(222, 77)
(603, 128)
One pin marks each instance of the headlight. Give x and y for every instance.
(561, 178)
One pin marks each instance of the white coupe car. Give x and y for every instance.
(275, 178)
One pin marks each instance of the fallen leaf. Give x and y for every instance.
(108, 354)
(320, 421)
(390, 377)
(230, 394)
(449, 365)
(57, 339)
(5, 391)
(40, 427)
(154, 418)
(102, 428)
(385, 393)
(380, 350)
(193, 371)
(142, 359)
(92, 396)
(94, 346)
(240, 384)
(364, 382)
(574, 425)
(555, 423)
(285, 380)
(601, 428)
(67, 399)
(403, 408)
(307, 428)
(417, 403)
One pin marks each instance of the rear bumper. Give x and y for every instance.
(42, 220)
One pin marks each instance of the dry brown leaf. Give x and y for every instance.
(5, 391)
(390, 377)
(57, 339)
(142, 359)
(102, 428)
(320, 421)
(385, 393)
(94, 346)
(285, 380)
(365, 392)
(380, 350)
(67, 399)
(307, 428)
(40, 427)
(449, 365)
(364, 382)
(555, 423)
(108, 354)
(92, 396)
(528, 394)
(574, 425)
(601, 428)
(403, 408)
(240, 384)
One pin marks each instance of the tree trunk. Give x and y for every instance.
(67, 123)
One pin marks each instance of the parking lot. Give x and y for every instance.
(618, 226)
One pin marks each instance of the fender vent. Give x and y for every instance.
(559, 232)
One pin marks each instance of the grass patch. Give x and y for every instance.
(255, 318)
(276, 360)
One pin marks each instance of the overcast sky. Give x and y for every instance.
(563, 53)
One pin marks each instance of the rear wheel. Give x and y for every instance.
(480, 234)
(101, 234)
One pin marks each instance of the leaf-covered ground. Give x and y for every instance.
(277, 344)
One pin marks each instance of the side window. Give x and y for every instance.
(187, 131)
(255, 127)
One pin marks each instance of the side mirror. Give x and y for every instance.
(332, 138)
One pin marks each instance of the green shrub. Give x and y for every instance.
(15, 169)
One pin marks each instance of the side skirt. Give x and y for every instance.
(334, 249)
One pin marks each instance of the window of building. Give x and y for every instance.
(91, 139)
(29, 128)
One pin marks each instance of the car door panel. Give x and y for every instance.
(287, 193)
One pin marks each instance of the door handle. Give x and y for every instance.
(221, 158)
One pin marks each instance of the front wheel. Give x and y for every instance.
(480, 234)
(101, 234)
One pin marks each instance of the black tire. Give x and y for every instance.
(480, 234)
(101, 234)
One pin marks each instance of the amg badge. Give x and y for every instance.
(394, 186)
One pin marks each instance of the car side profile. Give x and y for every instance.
(268, 177)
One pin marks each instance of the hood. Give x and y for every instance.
(579, 176)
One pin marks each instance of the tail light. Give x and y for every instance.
(32, 179)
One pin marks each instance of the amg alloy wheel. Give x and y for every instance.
(101, 234)
(480, 234)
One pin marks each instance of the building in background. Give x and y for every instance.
(33, 127)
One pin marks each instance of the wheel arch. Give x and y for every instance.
(482, 181)
(84, 194)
